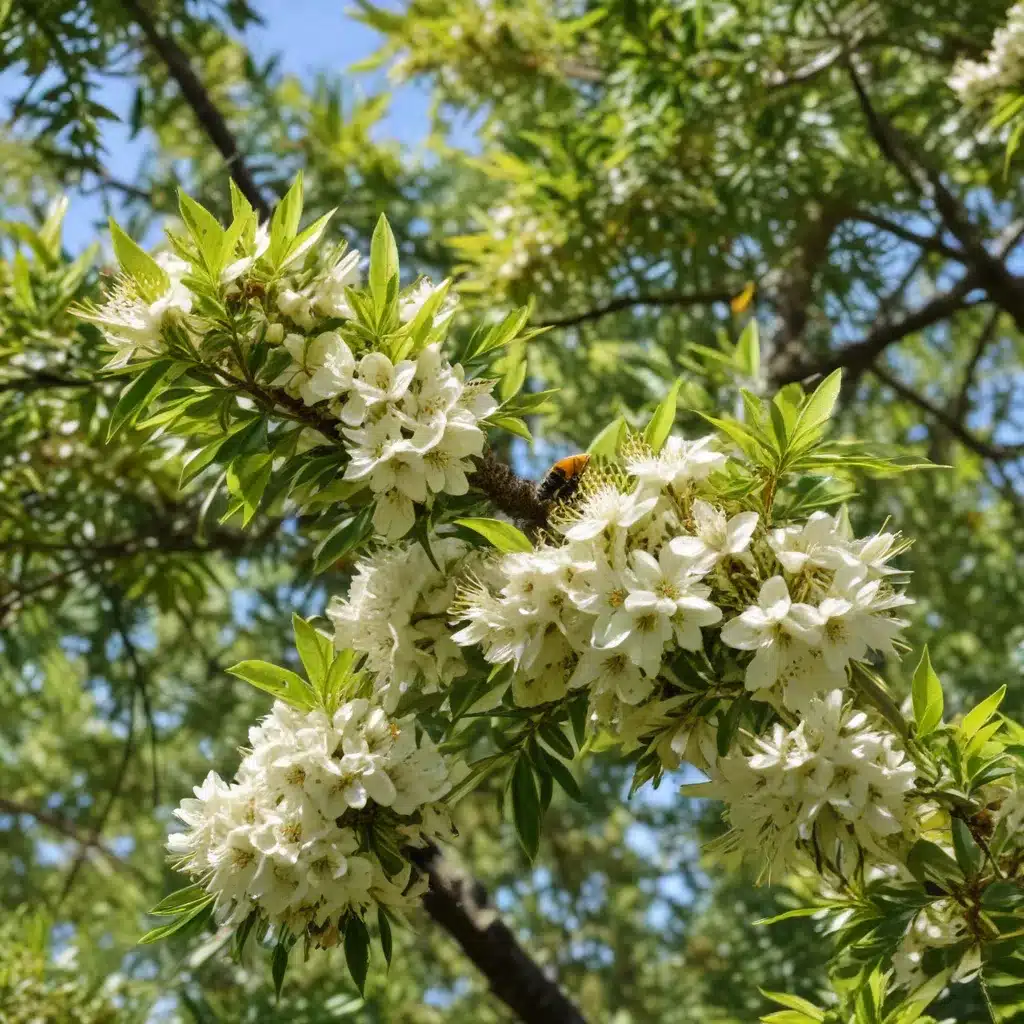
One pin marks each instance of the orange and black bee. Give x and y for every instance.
(563, 478)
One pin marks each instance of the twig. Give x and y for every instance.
(69, 829)
(39, 381)
(681, 299)
(962, 401)
(201, 103)
(931, 243)
(861, 354)
(986, 449)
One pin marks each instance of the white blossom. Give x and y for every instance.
(716, 537)
(678, 463)
(321, 367)
(937, 925)
(830, 782)
(1003, 66)
(277, 838)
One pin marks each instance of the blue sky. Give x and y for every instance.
(310, 36)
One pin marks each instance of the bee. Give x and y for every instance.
(563, 478)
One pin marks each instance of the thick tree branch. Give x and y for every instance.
(458, 904)
(986, 449)
(211, 119)
(862, 354)
(663, 299)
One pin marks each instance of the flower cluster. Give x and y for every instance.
(646, 565)
(134, 323)
(938, 925)
(1003, 66)
(395, 614)
(368, 366)
(833, 779)
(288, 838)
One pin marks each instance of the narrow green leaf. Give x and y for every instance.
(748, 352)
(562, 775)
(281, 682)
(284, 224)
(927, 696)
(383, 261)
(553, 736)
(504, 536)
(968, 854)
(205, 230)
(661, 423)
(818, 409)
(307, 239)
(314, 649)
(279, 966)
(578, 712)
(357, 951)
(526, 806)
(978, 716)
(180, 900)
(192, 919)
(137, 395)
(386, 941)
(346, 536)
(609, 440)
(787, 915)
(794, 1003)
(148, 275)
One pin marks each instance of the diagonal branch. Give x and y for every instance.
(930, 243)
(680, 299)
(862, 354)
(459, 905)
(42, 380)
(211, 119)
(70, 830)
(986, 449)
(961, 404)
(991, 272)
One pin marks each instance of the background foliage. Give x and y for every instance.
(655, 174)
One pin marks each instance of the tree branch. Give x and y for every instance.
(200, 101)
(43, 379)
(681, 299)
(991, 272)
(930, 243)
(69, 830)
(961, 403)
(863, 353)
(986, 449)
(458, 904)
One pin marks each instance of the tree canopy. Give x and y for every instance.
(655, 205)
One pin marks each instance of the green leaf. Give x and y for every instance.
(357, 951)
(748, 352)
(504, 536)
(927, 696)
(383, 262)
(553, 736)
(315, 650)
(578, 712)
(281, 682)
(526, 806)
(968, 854)
(788, 915)
(180, 900)
(818, 409)
(562, 775)
(346, 536)
(307, 239)
(279, 966)
(795, 1003)
(148, 275)
(657, 430)
(206, 232)
(284, 224)
(138, 395)
(386, 941)
(192, 919)
(930, 863)
(789, 1017)
(978, 716)
(609, 440)
(22, 281)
